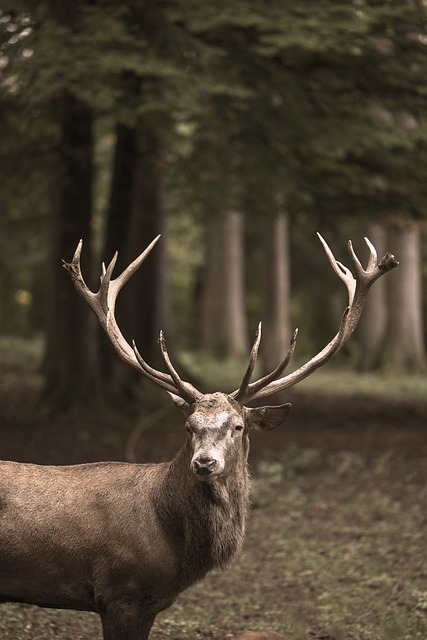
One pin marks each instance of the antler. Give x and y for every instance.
(103, 304)
(357, 288)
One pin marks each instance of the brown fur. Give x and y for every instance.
(125, 539)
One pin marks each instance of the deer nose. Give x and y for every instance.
(204, 466)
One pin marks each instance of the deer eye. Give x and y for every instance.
(239, 427)
(189, 427)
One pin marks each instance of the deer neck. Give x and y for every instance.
(207, 519)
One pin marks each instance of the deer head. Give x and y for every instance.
(218, 426)
(216, 420)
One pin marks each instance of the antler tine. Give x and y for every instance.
(341, 270)
(186, 390)
(357, 288)
(277, 372)
(74, 265)
(373, 257)
(241, 392)
(107, 304)
(162, 379)
(118, 283)
(356, 261)
(252, 389)
(103, 304)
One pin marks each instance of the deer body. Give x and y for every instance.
(114, 536)
(125, 539)
(63, 557)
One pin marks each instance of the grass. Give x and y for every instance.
(27, 622)
(335, 549)
(226, 373)
(337, 554)
(333, 379)
(339, 381)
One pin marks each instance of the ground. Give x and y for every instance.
(336, 546)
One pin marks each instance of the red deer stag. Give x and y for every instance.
(124, 540)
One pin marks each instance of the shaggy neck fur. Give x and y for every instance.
(207, 519)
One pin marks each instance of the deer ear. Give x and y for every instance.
(183, 406)
(267, 418)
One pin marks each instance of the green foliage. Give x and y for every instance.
(324, 102)
(321, 94)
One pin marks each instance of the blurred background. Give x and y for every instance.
(236, 130)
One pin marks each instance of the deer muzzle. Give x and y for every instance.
(205, 467)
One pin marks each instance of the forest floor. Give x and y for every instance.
(337, 542)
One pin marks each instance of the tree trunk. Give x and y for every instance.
(276, 291)
(136, 215)
(209, 284)
(149, 302)
(69, 364)
(373, 323)
(120, 202)
(115, 373)
(223, 317)
(404, 351)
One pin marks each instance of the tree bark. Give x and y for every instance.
(149, 301)
(115, 373)
(276, 291)
(137, 214)
(223, 317)
(120, 201)
(373, 323)
(404, 351)
(69, 363)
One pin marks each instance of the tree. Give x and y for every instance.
(373, 323)
(136, 214)
(149, 308)
(223, 319)
(322, 102)
(25, 167)
(132, 42)
(69, 365)
(276, 288)
(405, 350)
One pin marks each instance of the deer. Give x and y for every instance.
(125, 539)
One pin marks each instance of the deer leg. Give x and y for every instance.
(125, 621)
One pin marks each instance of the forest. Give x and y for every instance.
(234, 131)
